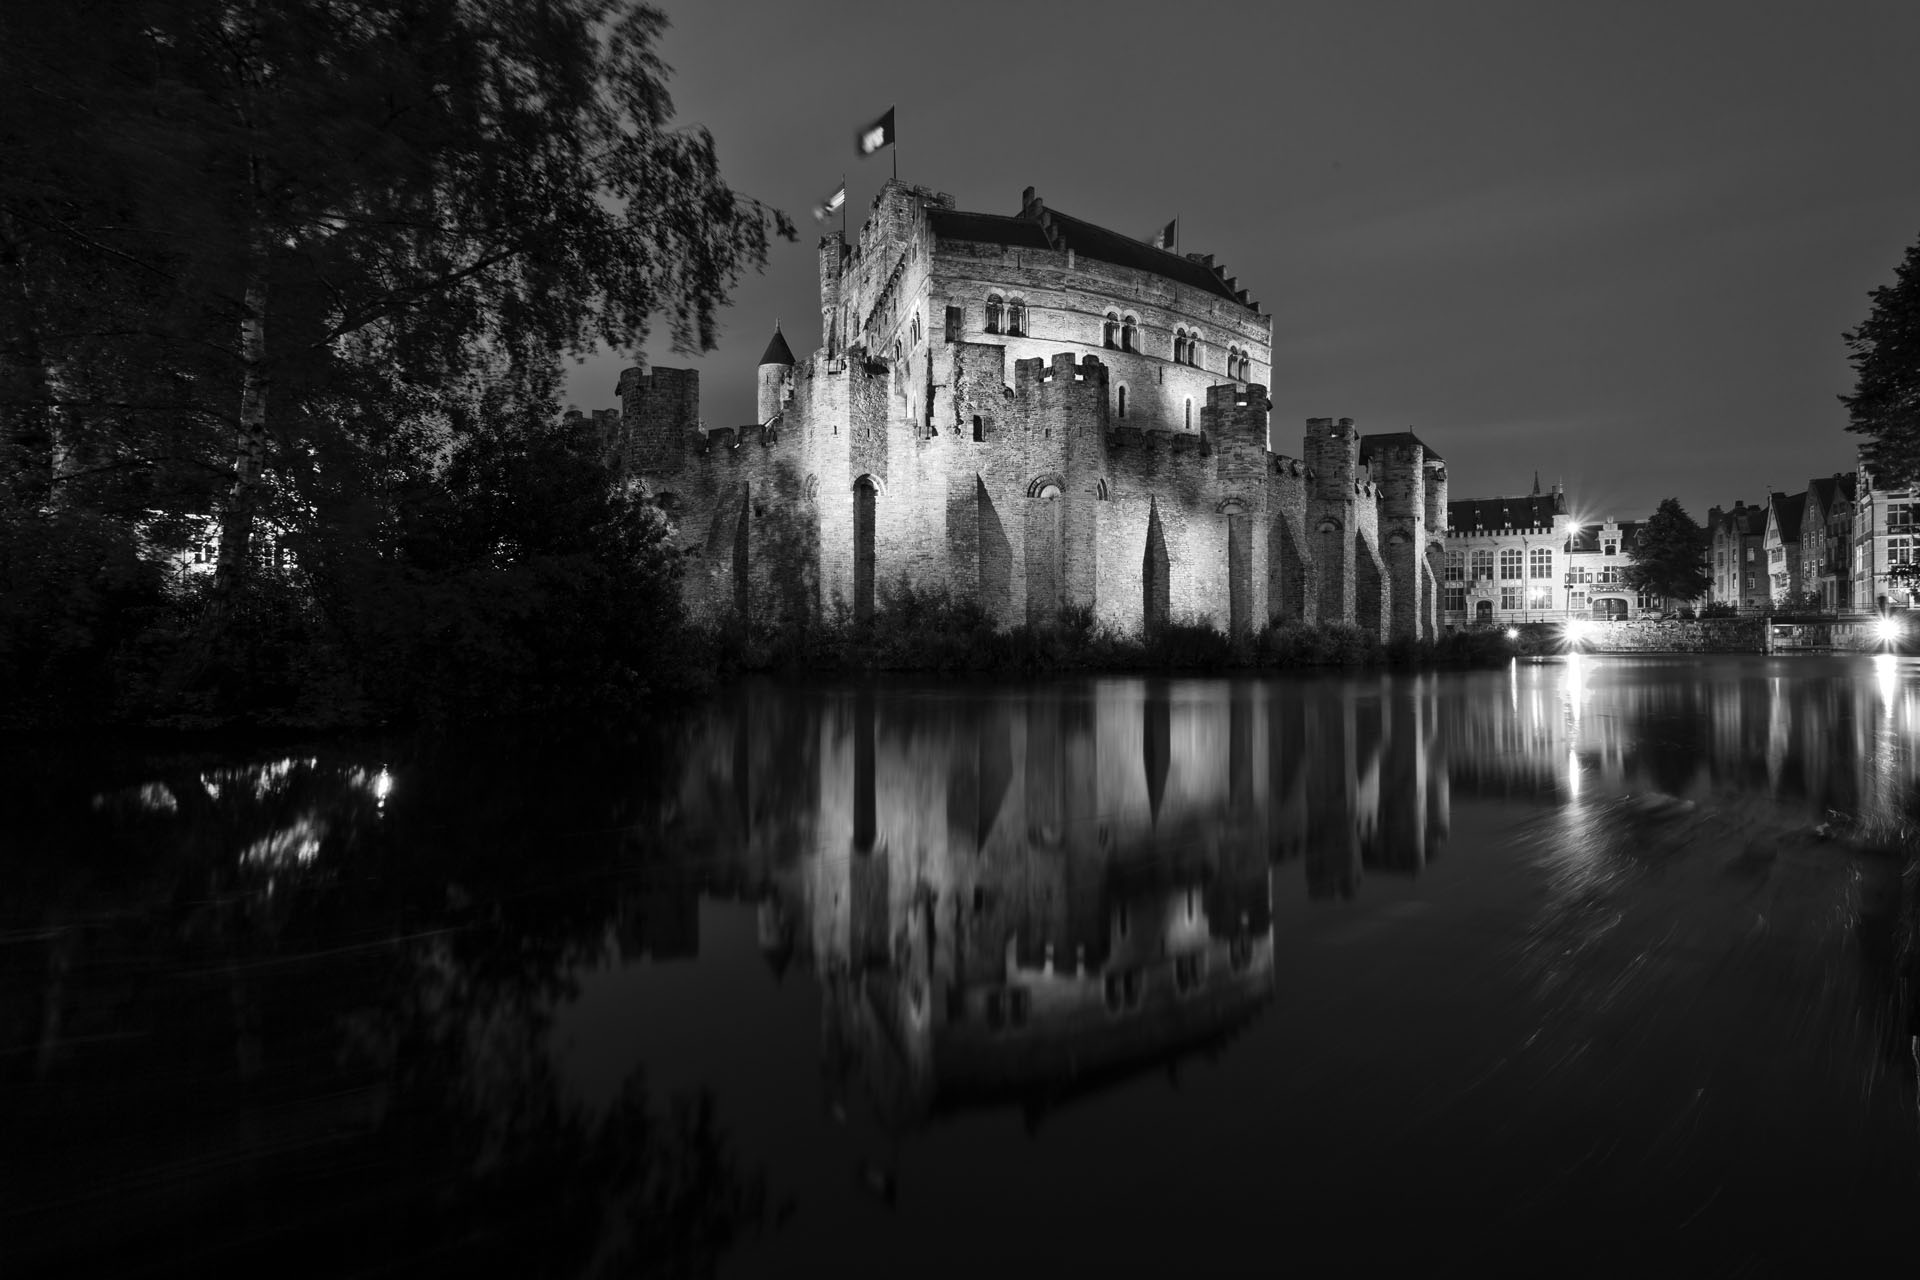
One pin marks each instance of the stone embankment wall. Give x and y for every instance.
(1677, 635)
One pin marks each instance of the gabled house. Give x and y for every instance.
(1736, 536)
(1826, 541)
(1597, 559)
(1781, 544)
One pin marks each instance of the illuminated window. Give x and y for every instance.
(1510, 597)
(993, 313)
(1540, 597)
(1510, 563)
(1540, 563)
(1016, 318)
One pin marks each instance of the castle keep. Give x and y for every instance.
(1035, 413)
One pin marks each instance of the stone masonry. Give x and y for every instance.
(1037, 414)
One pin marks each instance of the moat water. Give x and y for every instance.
(1583, 965)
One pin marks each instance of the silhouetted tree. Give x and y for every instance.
(1669, 555)
(1885, 353)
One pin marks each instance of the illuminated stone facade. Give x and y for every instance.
(1034, 413)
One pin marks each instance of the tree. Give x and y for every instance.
(1885, 353)
(239, 237)
(1669, 555)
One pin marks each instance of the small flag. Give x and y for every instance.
(876, 135)
(821, 212)
(1163, 238)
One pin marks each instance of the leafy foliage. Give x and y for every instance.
(1669, 555)
(1884, 351)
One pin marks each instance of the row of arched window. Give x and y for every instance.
(1014, 311)
(1186, 347)
(1239, 365)
(1118, 334)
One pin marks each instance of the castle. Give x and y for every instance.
(1037, 414)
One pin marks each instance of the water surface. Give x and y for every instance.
(1580, 965)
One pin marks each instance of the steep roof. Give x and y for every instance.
(1386, 438)
(986, 228)
(1784, 511)
(777, 350)
(1085, 238)
(1534, 510)
(1821, 491)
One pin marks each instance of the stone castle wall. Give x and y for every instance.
(908, 452)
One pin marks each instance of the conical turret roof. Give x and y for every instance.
(777, 350)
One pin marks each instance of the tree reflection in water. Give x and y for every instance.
(304, 1006)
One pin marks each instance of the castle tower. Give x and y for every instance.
(776, 367)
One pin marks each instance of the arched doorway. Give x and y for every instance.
(1483, 612)
(1156, 580)
(864, 493)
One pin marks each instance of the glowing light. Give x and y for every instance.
(382, 786)
(1513, 633)
(1886, 674)
(1576, 630)
(1886, 629)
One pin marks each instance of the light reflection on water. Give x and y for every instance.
(1573, 939)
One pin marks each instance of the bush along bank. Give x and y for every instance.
(927, 631)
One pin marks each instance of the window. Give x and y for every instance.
(1749, 579)
(1899, 550)
(956, 322)
(1127, 327)
(1123, 402)
(979, 429)
(1456, 566)
(1483, 564)
(1193, 350)
(1540, 563)
(1577, 600)
(1189, 415)
(1540, 597)
(1179, 346)
(1647, 600)
(993, 313)
(1016, 318)
(1611, 547)
(1509, 597)
(1110, 332)
(1456, 601)
(1749, 557)
(1899, 517)
(1776, 555)
(1510, 563)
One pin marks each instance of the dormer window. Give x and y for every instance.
(1127, 327)
(993, 313)
(1110, 334)
(1016, 318)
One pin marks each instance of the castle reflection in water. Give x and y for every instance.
(1024, 893)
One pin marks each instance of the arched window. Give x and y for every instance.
(993, 313)
(1483, 564)
(1127, 327)
(1110, 334)
(1179, 346)
(1540, 563)
(1189, 415)
(1048, 492)
(1123, 402)
(1193, 350)
(1510, 564)
(1016, 317)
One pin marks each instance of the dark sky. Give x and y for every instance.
(1616, 243)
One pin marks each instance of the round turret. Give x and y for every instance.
(776, 367)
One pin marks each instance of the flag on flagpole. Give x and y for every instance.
(831, 205)
(875, 136)
(1163, 238)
